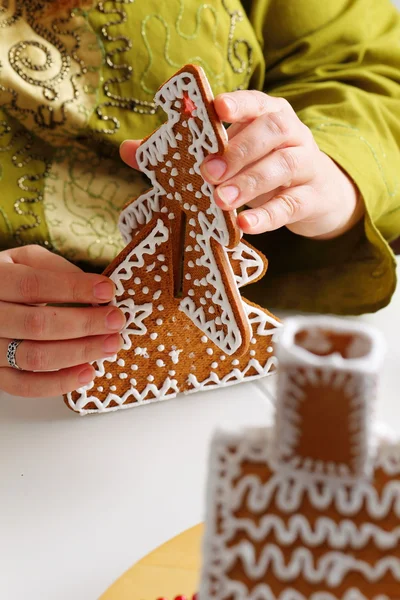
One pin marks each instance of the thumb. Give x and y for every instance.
(127, 152)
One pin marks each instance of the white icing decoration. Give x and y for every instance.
(134, 367)
(174, 173)
(142, 352)
(191, 293)
(164, 208)
(211, 224)
(121, 362)
(210, 351)
(171, 182)
(188, 276)
(123, 375)
(189, 186)
(161, 347)
(174, 354)
(113, 388)
(204, 339)
(133, 382)
(131, 292)
(145, 290)
(159, 321)
(160, 307)
(100, 388)
(214, 365)
(194, 208)
(137, 280)
(160, 362)
(109, 375)
(235, 362)
(270, 349)
(252, 352)
(153, 336)
(171, 216)
(150, 267)
(186, 206)
(157, 294)
(176, 156)
(150, 378)
(161, 257)
(171, 373)
(164, 268)
(249, 261)
(157, 278)
(230, 489)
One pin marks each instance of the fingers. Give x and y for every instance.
(50, 356)
(44, 385)
(38, 257)
(58, 323)
(28, 285)
(245, 105)
(127, 152)
(257, 139)
(283, 168)
(287, 207)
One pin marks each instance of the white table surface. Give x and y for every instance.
(82, 499)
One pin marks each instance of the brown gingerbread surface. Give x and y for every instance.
(310, 508)
(178, 279)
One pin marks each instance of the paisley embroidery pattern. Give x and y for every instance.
(75, 73)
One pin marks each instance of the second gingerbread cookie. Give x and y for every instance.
(178, 279)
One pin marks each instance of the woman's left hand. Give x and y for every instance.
(273, 165)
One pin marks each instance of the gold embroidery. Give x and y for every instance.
(84, 194)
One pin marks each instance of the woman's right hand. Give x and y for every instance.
(58, 342)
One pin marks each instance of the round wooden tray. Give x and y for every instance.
(170, 570)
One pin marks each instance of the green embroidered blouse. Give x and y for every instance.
(74, 83)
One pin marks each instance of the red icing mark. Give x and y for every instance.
(188, 104)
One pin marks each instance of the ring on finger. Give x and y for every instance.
(11, 351)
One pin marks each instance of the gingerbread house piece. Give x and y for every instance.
(308, 509)
(178, 279)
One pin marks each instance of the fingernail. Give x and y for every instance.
(251, 218)
(112, 344)
(231, 104)
(115, 320)
(228, 193)
(86, 376)
(215, 168)
(104, 290)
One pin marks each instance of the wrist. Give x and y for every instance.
(350, 204)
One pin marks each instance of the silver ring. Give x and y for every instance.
(11, 350)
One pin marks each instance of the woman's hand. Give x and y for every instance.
(273, 165)
(58, 342)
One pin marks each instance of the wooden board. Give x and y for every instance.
(170, 570)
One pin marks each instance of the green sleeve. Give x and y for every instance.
(338, 64)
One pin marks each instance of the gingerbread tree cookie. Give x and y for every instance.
(309, 509)
(178, 279)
